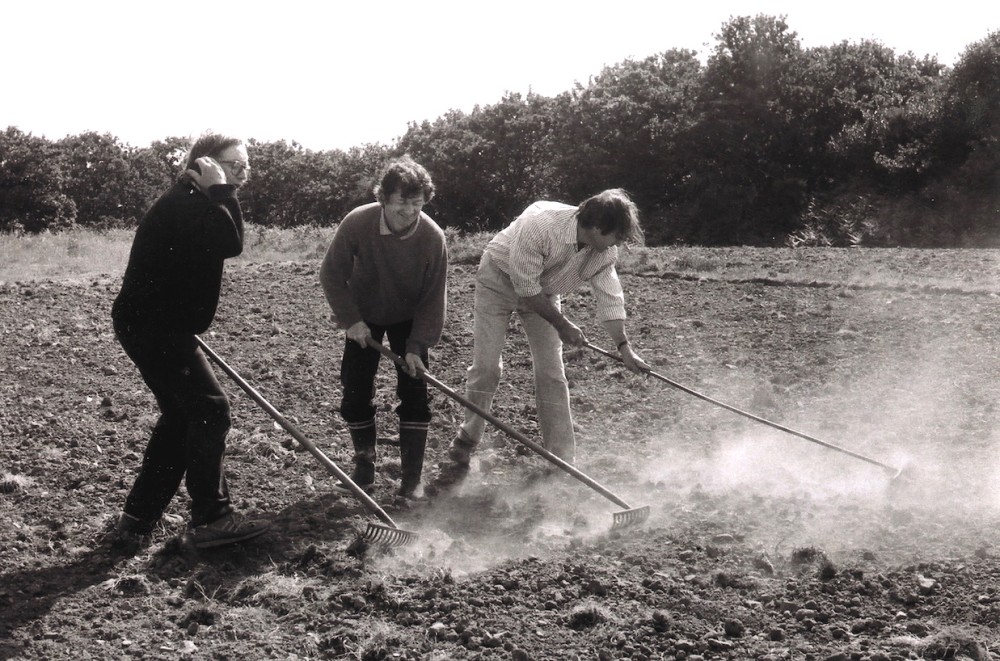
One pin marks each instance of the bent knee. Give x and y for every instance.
(214, 413)
(485, 377)
(557, 381)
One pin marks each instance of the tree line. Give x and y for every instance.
(765, 143)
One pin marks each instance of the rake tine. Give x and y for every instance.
(396, 535)
(892, 471)
(631, 517)
(521, 438)
(895, 473)
(383, 535)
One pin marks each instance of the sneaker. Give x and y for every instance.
(461, 449)
(450, 476)
(226, 530)
(543, 474)
(413, 493)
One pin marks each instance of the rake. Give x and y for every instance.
(891, 471)
(388, 534)
(627, 517)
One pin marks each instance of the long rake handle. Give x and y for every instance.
(745, 414)
(345, 479)
(507, 429)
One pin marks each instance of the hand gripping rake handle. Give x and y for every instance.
(392, 535)
(893, 472)
(629, 516)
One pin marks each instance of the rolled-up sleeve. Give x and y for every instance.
(609, 294)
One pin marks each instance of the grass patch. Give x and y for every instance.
(73, 253)
(466, 248)
(267, 244)
(587, 615)
(274, 592)
(83, 253)
(10, 483)
(378, 640)
(953, 642)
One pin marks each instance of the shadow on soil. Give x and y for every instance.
(34, 591)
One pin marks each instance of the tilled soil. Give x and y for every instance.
(761, 544)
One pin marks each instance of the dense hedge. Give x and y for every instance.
(764, 143)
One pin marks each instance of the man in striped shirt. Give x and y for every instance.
(549, 250)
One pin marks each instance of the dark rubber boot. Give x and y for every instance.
(363, 438)
(412, 443)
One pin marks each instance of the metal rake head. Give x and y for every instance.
(903, 473)
(630, 517)
(382, 535)
(904, 478)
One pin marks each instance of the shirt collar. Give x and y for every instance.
(569, 233)
(383, 227)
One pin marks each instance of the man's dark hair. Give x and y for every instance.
(210, 144)
(611, 211)
(406, 177)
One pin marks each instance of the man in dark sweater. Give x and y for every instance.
(385, 275)
(169, 293)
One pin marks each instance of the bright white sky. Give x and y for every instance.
(340, 74)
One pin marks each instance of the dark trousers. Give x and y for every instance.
(357, 375)
(189, 439)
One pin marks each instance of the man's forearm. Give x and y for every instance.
(543, 306)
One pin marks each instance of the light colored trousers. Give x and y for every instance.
(495, 302)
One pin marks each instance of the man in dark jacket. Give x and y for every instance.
(169, 293)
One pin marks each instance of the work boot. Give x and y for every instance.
(226, 530)
(363, 475)
(461, 449)
(412, 443)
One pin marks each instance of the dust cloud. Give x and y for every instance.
(926, 410)
(491, 519)
(925, 416)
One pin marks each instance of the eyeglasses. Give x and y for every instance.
(238, 167)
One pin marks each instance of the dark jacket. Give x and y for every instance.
(174, 273)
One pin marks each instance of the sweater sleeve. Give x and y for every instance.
(335, 274)
(428, 321)
(222, 224)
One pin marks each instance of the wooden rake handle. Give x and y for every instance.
(507, 429)
(889, 469)
(358, 492)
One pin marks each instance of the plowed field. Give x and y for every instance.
(760, 544)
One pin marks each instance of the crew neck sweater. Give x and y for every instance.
(384, 278)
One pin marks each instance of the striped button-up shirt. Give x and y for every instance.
(539, 252)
